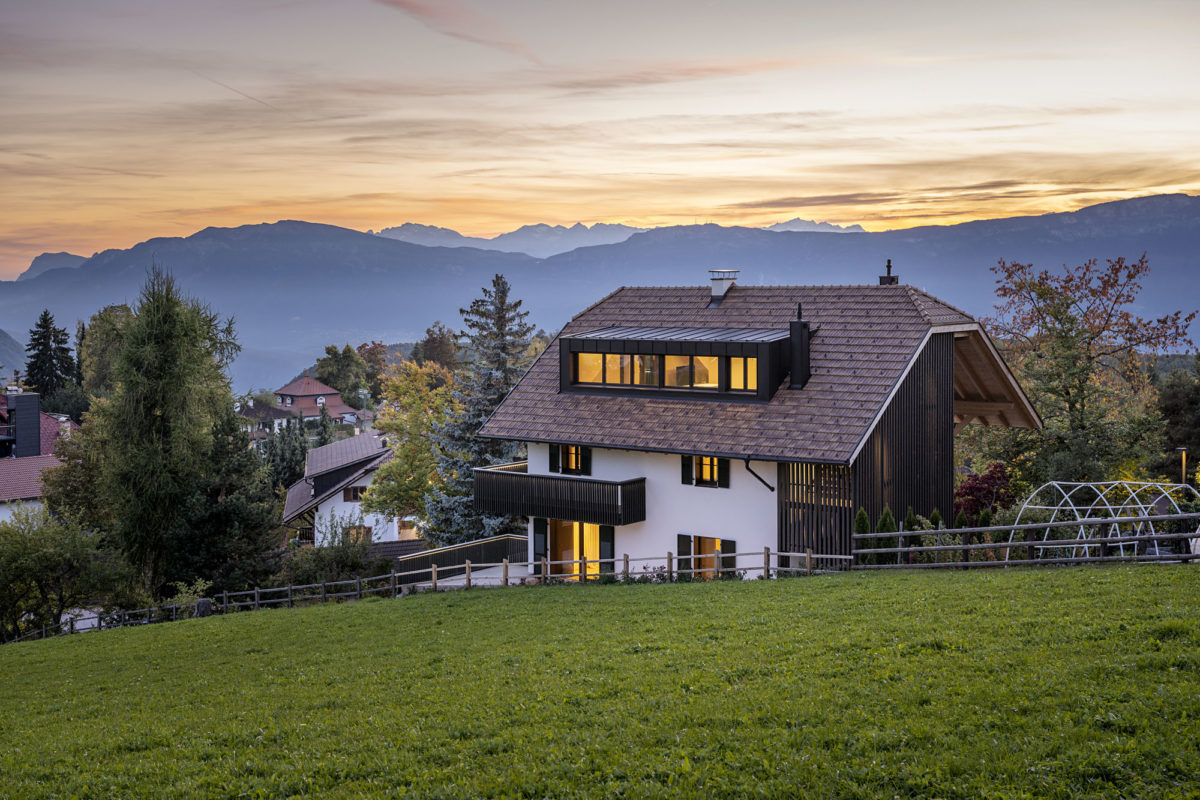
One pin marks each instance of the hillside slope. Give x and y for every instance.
(1021, 683)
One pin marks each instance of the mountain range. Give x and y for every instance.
(296, 286)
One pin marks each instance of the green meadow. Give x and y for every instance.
(1047, 683)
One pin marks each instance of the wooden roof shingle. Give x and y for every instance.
(866, 337)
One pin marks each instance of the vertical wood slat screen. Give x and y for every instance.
(814, 508)
(578, 499)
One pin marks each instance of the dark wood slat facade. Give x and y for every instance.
(508, 491)
(907, 460)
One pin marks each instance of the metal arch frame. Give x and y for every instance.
(1099, 500)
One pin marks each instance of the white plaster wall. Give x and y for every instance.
(745, 512)
(7, 509)
(383, 528)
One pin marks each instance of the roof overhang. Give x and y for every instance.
(985, 390)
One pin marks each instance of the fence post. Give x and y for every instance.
(670, 567)
(393, 585)
(545, 569)
(966, 553)
(504, 572)
(1029, 537)
(174, 612)
(1103, 545)
(433, 576)
(291, 603)
(766, 563)
(357, 588)
(256, 598)
(71, 624)
(583, 570)
(467, 564)
(225, 601)
(625, 567)
(808, 561)
(323, 592)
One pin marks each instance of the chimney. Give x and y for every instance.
(722, 282)
(889, 279)
(801, 339)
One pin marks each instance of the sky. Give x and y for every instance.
(123, 120)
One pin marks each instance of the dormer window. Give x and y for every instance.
(717, 363)
(287, 401)
(320, 401)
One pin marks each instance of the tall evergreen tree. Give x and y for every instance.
(283, 454)
(497, 336)
(50, 365)
(325, 428)
(172, 477)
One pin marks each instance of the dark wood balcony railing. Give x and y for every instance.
(510, 489)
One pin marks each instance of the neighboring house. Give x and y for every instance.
(21, 482)
(26, 430)
(304, 398)
(689, 420)
(335, 478)
(261, 421)
(54, 427)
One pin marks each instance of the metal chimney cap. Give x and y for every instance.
(723, 274)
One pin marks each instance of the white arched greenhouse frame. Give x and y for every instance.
(1102, 500)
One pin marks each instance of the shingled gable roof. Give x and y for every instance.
(306, 386)
(21, 478)
(365, 451)
(866, 337)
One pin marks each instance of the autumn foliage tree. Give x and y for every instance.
(1079, 350)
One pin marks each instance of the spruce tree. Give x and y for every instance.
(325, 428)
(50, 365)
(497, 337)
(283, 454)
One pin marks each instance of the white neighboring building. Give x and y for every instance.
(336, 477)
(21, 482)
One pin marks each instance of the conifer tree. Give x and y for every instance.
(50, 365)
(497, 336)
(283, 454)
(325, 428)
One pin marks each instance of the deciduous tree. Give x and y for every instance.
(1074, 342)
(416, 399)
(344, 370)
(439, 346)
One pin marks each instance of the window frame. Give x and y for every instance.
(353, 494)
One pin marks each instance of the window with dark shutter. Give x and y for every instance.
(539, 541)
(728, 562)
(685, 463)
(607, 547)
(683, 542)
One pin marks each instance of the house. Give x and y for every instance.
(260, 421)
(336, 477)
(305, 396)
(693, 420)
(21, 482)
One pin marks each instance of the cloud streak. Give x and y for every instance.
(452, 18)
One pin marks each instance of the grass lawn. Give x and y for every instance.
(1019, 683)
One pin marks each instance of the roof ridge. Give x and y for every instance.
(924, 315)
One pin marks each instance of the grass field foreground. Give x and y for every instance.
(1018, 683)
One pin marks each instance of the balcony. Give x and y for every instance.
(510, 489)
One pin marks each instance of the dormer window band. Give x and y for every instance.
(729, 364)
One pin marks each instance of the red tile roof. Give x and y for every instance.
(51, 431)
(864, 338)
(306, 387)
(21, 478)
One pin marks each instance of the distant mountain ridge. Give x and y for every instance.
(12, 355)
(540, 240)
(295, 287)
(48, 261)
(543, 241)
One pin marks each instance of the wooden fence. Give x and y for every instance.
(1036, 543)
(506, 572)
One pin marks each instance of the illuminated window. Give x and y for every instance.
(677, 371)
(705, 471)
(743, 374)
(704, 372)
(359, 533)
(589, 368)
(571, 459)
(617, 368)
(645, 370)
